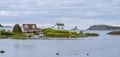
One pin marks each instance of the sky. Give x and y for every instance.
(81, 13)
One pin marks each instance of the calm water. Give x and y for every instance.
(102, 46)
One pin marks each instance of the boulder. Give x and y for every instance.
(2, 51)
(114, 33)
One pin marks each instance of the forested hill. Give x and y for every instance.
(103, 27)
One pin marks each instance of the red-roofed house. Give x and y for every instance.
(30, 28)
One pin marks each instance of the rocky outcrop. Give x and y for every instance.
(92, 34)
(2, 51)
(114, 33)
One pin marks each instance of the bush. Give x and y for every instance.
(18, 35)
(3, 32)
(49, 32)
(77, 34)
(57, 35)
(17, 28)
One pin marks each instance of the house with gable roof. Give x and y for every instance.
(30, 28)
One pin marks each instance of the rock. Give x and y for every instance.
(87, 54)
(57, 53)
(75, 53)
(2, 51)
(92, 34)
(114, 33)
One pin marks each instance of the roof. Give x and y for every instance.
(59, 24)
(30, 27)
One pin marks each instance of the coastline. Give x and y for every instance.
(48, 38)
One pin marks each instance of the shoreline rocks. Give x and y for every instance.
(92, 34)
(114, 33)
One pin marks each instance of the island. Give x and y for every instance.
(30, 31)
(103, 27)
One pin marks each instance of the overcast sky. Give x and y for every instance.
(81, 13)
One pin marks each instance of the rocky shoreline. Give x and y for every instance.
(114, 33)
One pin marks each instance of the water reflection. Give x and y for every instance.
(102, 46)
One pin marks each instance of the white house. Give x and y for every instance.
(7, 28)
(58, 26)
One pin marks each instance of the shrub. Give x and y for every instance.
(3, 32)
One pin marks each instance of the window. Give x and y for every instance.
(33, 27)
(62, 27)
(26, 26)
(58, 27)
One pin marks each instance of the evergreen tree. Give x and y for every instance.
(17, 28)
(1, 25)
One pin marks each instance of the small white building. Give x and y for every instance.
(58, 26)
(75, 29)
(6, 28)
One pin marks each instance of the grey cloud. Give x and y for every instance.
(50, 11)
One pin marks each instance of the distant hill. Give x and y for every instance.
(103, 27)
